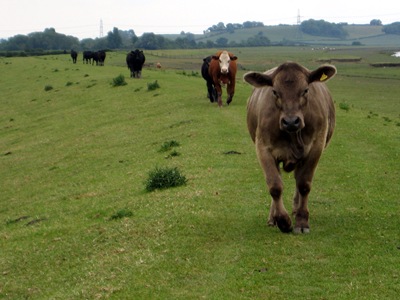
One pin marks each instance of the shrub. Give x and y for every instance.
(119, 81)
(153, 86)
(168, 146)
(123, 213)
(48, 88)
(344, 106)
(162, 178)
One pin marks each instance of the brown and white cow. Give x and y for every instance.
(222, 70)
(290, 118)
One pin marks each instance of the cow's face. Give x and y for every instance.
(224, 60)
(289, 89)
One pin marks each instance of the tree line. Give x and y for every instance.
(50, 40)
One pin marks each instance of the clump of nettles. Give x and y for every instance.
(119, 81)
(123, 213)
(48, 88)
(162, 178)
(153, 86)
(344, 106)
(166, 146)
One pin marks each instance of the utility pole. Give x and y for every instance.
(101, 28)
(298, 31)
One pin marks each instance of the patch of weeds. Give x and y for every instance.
(173, 153)
(91, 85)
(153, 86)
(17, 220)
(55, 70)
(119, 81)
(371, 114)
(162, 178)
(344, 106)
(232, 152)
(166, 146)
(138, 89)
(86, 75)
(48, 88)
(69, 83)
(181, 123)
(122, 213)
(386, 119)
(191, 74)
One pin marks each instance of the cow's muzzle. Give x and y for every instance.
(291, 124)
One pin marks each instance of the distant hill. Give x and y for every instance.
(290, 34)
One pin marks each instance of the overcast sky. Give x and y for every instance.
(81, 18)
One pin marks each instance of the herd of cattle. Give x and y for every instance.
(290, 118)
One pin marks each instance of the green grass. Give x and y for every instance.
(368, 35)
(77, 223)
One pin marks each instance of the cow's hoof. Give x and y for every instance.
(300, 230)
(284, 224)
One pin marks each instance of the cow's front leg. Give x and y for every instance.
(219, 94)
(231, 92)
(303, 176)
(278, 214)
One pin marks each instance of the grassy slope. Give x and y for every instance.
(366, 34)
(74, 156)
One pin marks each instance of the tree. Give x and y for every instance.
(323, 28)
(151, 41)
(49, 39)
(393, 28)
(375, 22)
(230, 28)
(221, 42)
(258, 40)
(114, 40)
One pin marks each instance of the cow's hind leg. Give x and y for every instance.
(211, 94)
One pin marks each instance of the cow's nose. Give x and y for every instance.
(291, 124)
(224, 70)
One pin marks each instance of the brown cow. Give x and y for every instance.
(291, 118)
(222, 69)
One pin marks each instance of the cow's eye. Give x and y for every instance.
(275, 93)
(305, 92)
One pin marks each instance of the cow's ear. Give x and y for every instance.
(234, 57)
(322, 74)
(215, 57)
(258, 79)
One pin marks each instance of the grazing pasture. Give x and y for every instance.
(77, 223)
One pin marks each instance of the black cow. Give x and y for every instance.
(74, 56)
(211, 91)
(99, 57)
(135, 60)
(87, 57)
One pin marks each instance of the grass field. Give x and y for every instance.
(77, 223)
(368, 35)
